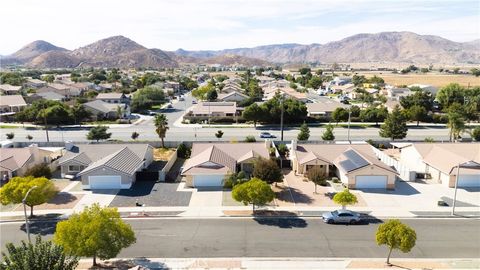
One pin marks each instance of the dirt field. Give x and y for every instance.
(438, 80)
(163, 153)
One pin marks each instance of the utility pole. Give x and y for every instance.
(45, 121)
(348, 131)
(24, 201)
(281, 119)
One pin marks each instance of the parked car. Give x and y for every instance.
(181, 98)
(169, 106)
(266, 135)
(341, 216)
(194, 102)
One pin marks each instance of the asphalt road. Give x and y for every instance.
(293, 237)
(147, 131)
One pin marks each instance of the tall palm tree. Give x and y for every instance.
(161, 125)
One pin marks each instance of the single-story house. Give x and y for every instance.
(64, 90)
(35, 83)
(12, 103)
(7, 89)
(425, 87)
(324, 107)
(47, 96)
(354, 164)
(210, 163)
(16, 161)
(104, 110)
(114, 98)
(397, 93)
(233, 96)
(205, 110)
(105, 166)
(440, 160)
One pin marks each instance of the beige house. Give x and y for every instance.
(206, 110)
(16, 161)
(354, 164)
(12, 104)
(7, 89)
(210, 163)
(439, 162)
(233, 96)
(114, 98)
(104, 110)
(324, 107)
(105, 166)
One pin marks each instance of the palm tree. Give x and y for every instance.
(119, 112)
(161, 125)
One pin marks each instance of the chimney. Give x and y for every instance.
(68, 145)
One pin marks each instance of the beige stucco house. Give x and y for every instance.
(354, 164)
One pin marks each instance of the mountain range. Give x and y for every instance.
(119, 51)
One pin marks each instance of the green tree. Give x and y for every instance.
(475, 72)
(318, 176)
(396, 235)
(267, 170)
(255, 192)
(38, 256)
(340, 115)
(13, 78)
(10, 135)
(56, 115)
(450, 94)
(98, 133)
(476, 134)
(419, 97)
(212, 95)
(201, 92)
(354, 111)
(39, 170)
(29, 137)
(250, 138)
(135, 135)
(395, 126)
(253, 113)
(145, 98)
(345, 198)
(16, 189)
(456, 121)
(417, 113)
(304, 133)
(219, 134)
(328, 133)
(94, 232)
(374, 114)
(161, 126)
(49, 78)
(79, 113)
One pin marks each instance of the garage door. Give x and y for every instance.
(469, 180)
(371, 181)
(105, 182)
(208, 180)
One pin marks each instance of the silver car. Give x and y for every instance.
(341, 216)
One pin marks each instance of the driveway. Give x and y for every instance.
(151, 194)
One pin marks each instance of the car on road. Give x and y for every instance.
(169, 106)
(180, 98)
(266, 135)
(341, 216)
(194, 102)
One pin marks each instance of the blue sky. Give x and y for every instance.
(217, 24)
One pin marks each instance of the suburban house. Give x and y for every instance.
(105, 166)
(439, 161)
(114, 98)
(175, 86)
(233, 96)
(16, 161)
(7, 89)
(356, 165)
(205, 110)
(61, 89)
(104, 110)
(45, 95)
(210, 163)
(425, 87)
(12, 104)
(397, 93)
(35, 83)
(270, 92)
(323, 107)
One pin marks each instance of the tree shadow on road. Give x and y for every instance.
(282, 222)
(40, 227)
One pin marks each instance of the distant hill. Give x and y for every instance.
(380, 47)
(119, 51)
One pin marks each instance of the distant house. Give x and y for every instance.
(62, 89)
(233, 96)
(210, 163)
(12, 104)
(83, 86)
(35, 83)
(356, 165)
(396, 93)
(270, 92)
(425, 87)
(104, 110)
(105, 166)
(323, 107)
(172, 85)
(114, 98)
(7, 89)
(16, 161)
(47, 96)
(205, 110)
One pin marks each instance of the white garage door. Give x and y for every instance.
(105, 182)
(208, 180)
(371, 181)
(471, 180)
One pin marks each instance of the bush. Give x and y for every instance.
(183, 151)
(221, 120)
(228, 183)
(438, 118)
(282, 149)
(40, 170)
(250, 138)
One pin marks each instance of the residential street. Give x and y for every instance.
(277, 237)
(175, 133)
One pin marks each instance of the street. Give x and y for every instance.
(279, 237)
(147, 131)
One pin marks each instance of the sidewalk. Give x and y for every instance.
(285, 263)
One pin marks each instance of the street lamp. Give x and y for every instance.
(24, 201)
(468, 164)
(348, 131)
(281, 118)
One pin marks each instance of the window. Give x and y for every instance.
(75, 168)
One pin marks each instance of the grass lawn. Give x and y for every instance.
(156, 107)
(103, 122)
(8, 126)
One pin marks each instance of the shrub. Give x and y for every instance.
(282, 149)
(39, 170)
(250, 138)
(183, 151)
